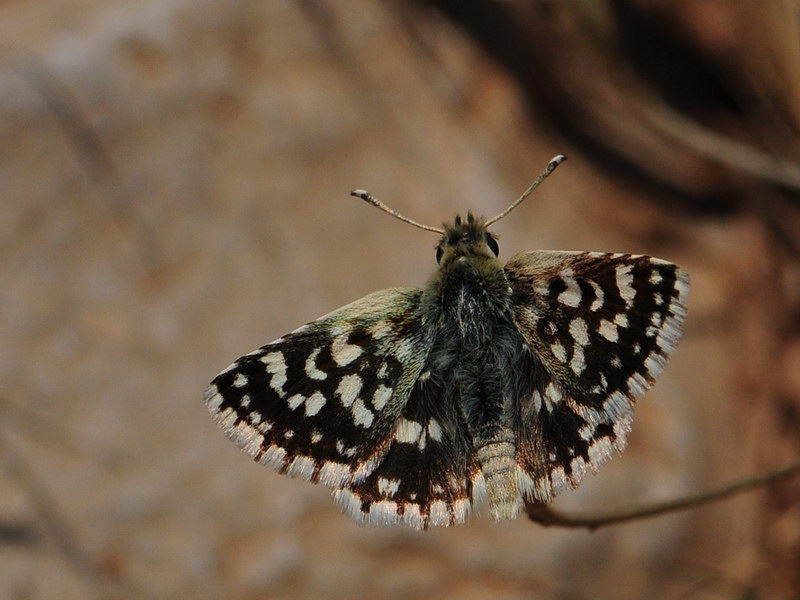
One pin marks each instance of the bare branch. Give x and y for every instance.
(544, 515)
(778, 170)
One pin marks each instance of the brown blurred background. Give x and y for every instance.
(174, 182)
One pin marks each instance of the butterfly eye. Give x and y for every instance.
(493, 245)
(439, 253)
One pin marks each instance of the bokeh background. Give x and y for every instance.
(174, 182)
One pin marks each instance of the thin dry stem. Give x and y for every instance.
(544, 515)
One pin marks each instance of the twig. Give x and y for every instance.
(781, 171)
(544, 515)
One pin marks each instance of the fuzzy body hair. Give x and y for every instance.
(476, 350)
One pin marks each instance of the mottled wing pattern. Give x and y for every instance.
(425, 478)
(600, 327)
(323, 402)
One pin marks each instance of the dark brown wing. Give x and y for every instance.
(600, 328)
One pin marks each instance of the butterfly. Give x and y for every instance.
(493, 384)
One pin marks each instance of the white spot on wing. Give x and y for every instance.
(625, 284)
(435, 430)
(579, 331)
(578, 362)
(311, 366)
(537, 401)
(342, 352)
(608, 330)
(295, 401)
(381, 397)
(276, 367)
(408, 432)
(314, 404)
(388, 487)
(597, 303)
(344, 450)
(361, 414)
(571, 296)
(348, 389)
(552, 396)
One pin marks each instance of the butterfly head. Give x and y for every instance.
(466, 239)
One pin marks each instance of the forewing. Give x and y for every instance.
(426, 476)
(322, 402)
(600, 328)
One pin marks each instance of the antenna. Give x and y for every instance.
(551, 166)
(369, 198)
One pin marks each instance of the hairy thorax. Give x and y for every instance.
(468, 304)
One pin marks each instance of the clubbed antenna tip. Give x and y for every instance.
(551, 166)
(370, 199)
